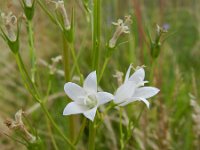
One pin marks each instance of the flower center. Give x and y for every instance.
(90, 101)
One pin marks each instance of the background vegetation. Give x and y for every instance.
(170, 123)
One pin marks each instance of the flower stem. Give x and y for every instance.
(34, 92)
(121, 130)
(55, 125)
(92, 134)
(96, 33)
(81, 131)
(66, 62)
(103, 68)
(31, 49)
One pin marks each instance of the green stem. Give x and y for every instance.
(121, 130)
(76, 62)
(96, 33)
(32, 50)
(81, 131)
(27, 81)
(103, 69)
(51, 134)
(92, 134)
(66, 61)
(33, 90)
(55, 125)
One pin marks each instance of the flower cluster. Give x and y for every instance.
(87, 99)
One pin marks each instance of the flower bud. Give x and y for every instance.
(29, 8)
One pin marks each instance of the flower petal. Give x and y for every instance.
(146, 92)
(74, 91)
(133, 99)
(90, 83)
(104, 97)
(125, 91)
(90, 114)
(128, 73)
(74, 108)
(138, 76)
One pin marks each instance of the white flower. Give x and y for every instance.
(86, 99)
(133, 89)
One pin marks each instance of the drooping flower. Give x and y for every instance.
(86, 99)
(133, 89)
(61, 7)
(10, 21)
(122, 27)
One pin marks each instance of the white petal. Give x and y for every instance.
(74, 91)
(74, 108)
(90, 83)
(90, 114)
(133, 99)
(104, 97)
(125, 91)
(128, 73)
(146, 92)
(138, 76)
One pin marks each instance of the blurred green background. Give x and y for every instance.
(170, 123)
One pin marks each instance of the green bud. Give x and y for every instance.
(28, 9)
(155, 49)
(13, 45)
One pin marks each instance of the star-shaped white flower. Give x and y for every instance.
(133, 89)
(86, 99)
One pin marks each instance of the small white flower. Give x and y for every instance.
(133, 89)
(86, 99)
(122, 27)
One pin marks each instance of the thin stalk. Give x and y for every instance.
(66, 61)
(121, 130)
(55, 125)
(103, 69)
(138, 118)
(27, 81)
(51, 135)
(92, 134)
(33, 90)
(81, 131)
(76, 62)
(96, 33)
(32, 50)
